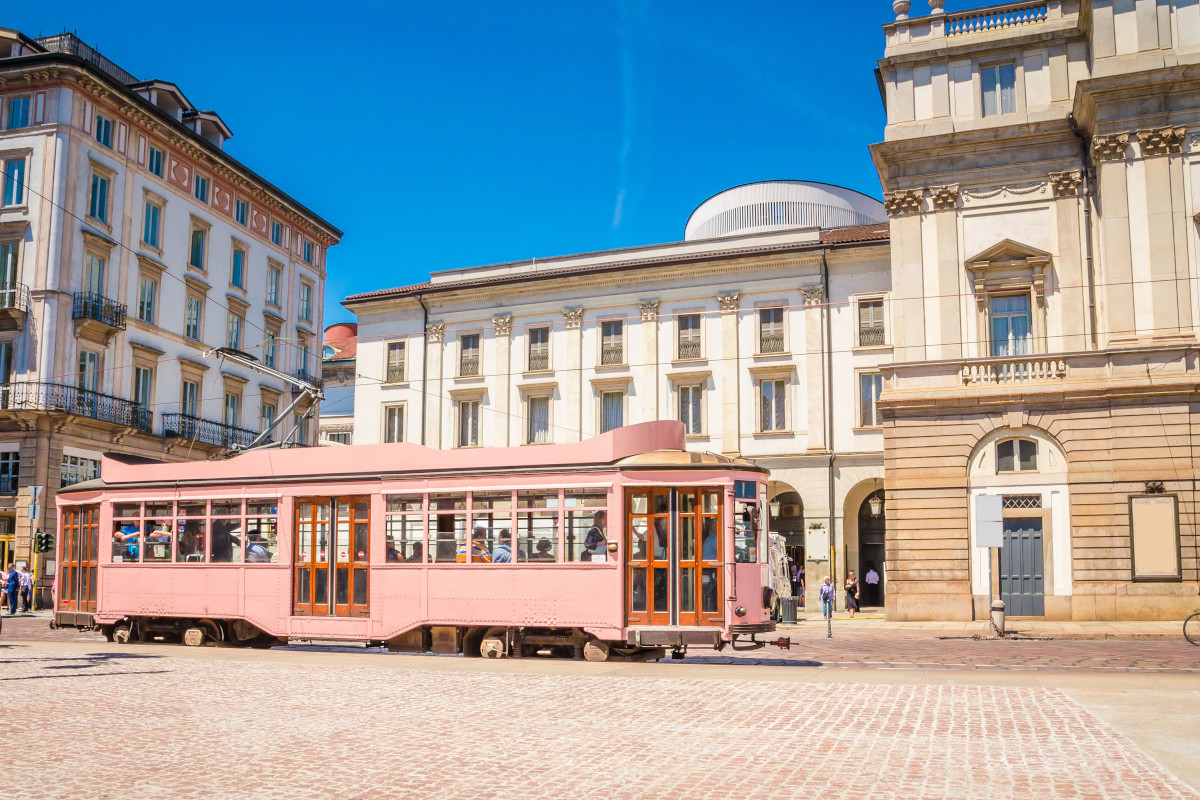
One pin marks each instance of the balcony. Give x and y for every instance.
(612, 354)
(689, 349)
(39, 396)
(395, 373)
(307, 377)
(539, 360)
(206, 431)
(14, 306)
(871, 337)
(72, 44)
(468, 365)
(97, 317)
(1051, 377)
(770, 342)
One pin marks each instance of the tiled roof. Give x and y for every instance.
(857, 233)
(346, 348)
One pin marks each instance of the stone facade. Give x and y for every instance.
(1049, 304)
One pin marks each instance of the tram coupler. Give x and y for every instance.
(783, 643)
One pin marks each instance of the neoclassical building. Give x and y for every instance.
(1039, 167)
(130, 243)
(763, 331)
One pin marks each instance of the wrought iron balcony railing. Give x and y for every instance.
(206, 430)
(689, 348)
(468, 365)
(70, 43)
(40, 396)
(612, 354)
(89, 305)
(315, 380)
(395, 373)
(539, 360)
(770, 343)
(869, 337)
(15, 297)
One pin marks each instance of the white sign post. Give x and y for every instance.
(989, 533)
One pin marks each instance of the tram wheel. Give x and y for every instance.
(213, 630)
(122, 635)
(595, 650)
(494, 644)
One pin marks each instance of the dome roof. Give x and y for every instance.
(341, 330)
(780, 205)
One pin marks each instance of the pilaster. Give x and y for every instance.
(814, 366)
(572, 382)
(730, 372)
(434, 336)
(502, 431)
(649, 328)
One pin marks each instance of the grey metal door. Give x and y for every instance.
(1022, 572)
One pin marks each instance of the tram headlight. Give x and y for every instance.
(740, 611)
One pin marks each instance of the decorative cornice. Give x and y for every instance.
(435, 332)
(905, 201)
(1010, 188)
(813, 295)
(1162, 141)
(1066, 184)
(944, 197)
(729, 302)
(649, 309)
(1110, 147)
(503, 324)
(573, 318)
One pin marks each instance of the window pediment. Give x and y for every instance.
(1009, 266)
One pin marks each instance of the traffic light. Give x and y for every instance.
(43, 542)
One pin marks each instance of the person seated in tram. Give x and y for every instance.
(708, 540)
(225, 538)
(502, 554)
(542, 551)
(596, 541)
(479, 547)
(256, 548)
(418, 554)
(393, 555)
(125, 542)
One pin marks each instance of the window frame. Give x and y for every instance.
(463, 339)
(701, 408)
(140, 370)
(271, 346)
(236, 397)
(18, 183)
(994, 68)
(107, 127)
(399, 411)
(304, 309)
(187, 314)
(1016, 455)
(874, 423)
(623, 391)
(475, 402)
(147, 307)
(201, 188)
(699, 337)
(97, 177)
(160, 211)
(394, 372)
(151, 151)
(604, 339)
(761, 332)
(528, 401)
(8, 111)
(241, 211)
(202, 228)
(235, 280)
(276, 227)
(871, 300)
(530, 349)
(786, 382)
(184, 397)
(235, 329)
(275, 286)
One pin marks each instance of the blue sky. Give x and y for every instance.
(441, 135)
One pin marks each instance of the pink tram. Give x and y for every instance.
(623, 545)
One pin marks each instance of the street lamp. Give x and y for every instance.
(876, 504)
(774, 505)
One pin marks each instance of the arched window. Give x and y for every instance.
(1017, 455)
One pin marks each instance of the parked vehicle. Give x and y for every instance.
(623, 545)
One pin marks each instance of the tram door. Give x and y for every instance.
(80, 543)
(675, 552)
(332, 557)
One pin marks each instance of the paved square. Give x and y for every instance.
(148, 724)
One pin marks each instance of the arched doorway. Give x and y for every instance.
(787, 520)
(872, 549)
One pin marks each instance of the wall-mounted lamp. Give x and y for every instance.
(775, 505)
(876, 505)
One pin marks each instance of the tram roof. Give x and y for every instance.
(641, 446)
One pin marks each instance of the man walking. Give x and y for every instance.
(26, 579)
(872, 579)
(13, 586)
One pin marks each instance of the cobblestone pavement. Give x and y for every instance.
(870, 650)
(144, 723)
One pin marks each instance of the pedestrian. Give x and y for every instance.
(26, 579)
(851, 594)
(3, 586)
(827, 595)
(13, 585)
(872, 580)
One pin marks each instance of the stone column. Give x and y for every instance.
(731, 373)
(434, 334)
(503, 423)
(814, 366)
(943, 312)
(908, 273)
(572, 426)
(1164, 193)
(649, 389)
(1071, 263)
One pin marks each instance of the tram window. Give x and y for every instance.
(158, 538)
(226, 508)
(746, 529)
(447, 530)
(126, 540)
(662, 503)
(483, 537)
(401, 503)
(586, 525)
(227, 540)
(537, 536)
(405, 537)
(160, 509)
(709, 602)
(638, 503)
(638, 589)
(124, 510)
(261, 544)
(491, 532)
(190, 540)
(538, 499)
(637, 536)
(262, 507)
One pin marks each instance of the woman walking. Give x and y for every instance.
(851, 594)
(827, 595)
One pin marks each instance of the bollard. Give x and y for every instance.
(998, 616)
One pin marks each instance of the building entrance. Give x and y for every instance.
(872, 548)
(1022, 572)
